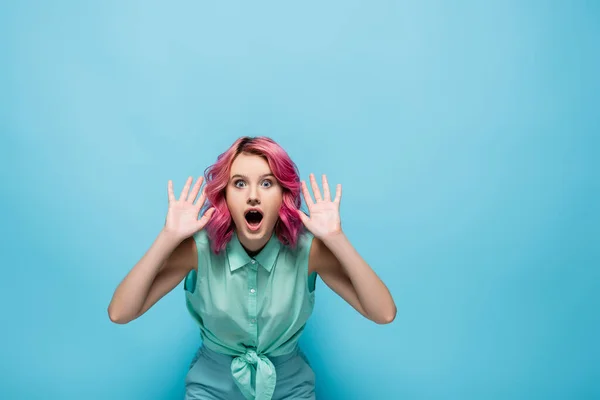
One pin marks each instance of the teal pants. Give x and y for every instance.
(209, 377)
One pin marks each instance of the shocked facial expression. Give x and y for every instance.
(254, 198)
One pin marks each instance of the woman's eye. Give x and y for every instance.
(240, 183)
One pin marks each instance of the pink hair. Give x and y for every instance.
(220, 227)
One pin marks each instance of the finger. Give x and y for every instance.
(202, 198)
(195, 190)
(326, 194)
(186, 189)
(303, 217)
(205, 218)
(170, 191)
(338, 194)
(315, 188)
(307, 198)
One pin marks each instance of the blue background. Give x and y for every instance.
(465, 135)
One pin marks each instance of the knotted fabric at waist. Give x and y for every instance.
(252, 363)
(266, 377)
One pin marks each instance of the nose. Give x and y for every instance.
(253, 197)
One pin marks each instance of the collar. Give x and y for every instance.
(238, 257)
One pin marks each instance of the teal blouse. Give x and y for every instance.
(251, 307)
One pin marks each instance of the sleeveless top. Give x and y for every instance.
(251, 308)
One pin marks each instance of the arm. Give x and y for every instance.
(170, 258)
(345, 272)
(160, 270)
(337, 262)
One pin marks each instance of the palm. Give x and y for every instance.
(324, 213)
(182, 217)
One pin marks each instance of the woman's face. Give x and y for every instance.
(254, 198)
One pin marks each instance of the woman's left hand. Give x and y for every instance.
(324, 217)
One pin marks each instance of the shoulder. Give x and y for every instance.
(201, 238)
(298, 254)
(305, 241)
(201, 243)
(303, 245)
(312, 251)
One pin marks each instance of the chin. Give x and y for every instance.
(264, 230)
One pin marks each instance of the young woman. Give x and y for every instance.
(249, 266)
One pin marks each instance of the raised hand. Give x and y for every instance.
(182, 217)
(324, 217)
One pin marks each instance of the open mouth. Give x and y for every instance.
(253, 219)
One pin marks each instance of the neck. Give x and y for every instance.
(253, 247)
(253, 253)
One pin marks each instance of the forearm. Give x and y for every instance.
(372, 293)
(129, 297)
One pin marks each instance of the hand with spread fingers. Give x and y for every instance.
(182, 217)
(324, 219)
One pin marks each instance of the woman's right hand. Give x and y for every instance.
(182, 217)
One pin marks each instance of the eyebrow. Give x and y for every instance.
(245, 177)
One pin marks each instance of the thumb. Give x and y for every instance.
(206, 217)
(303, 217)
